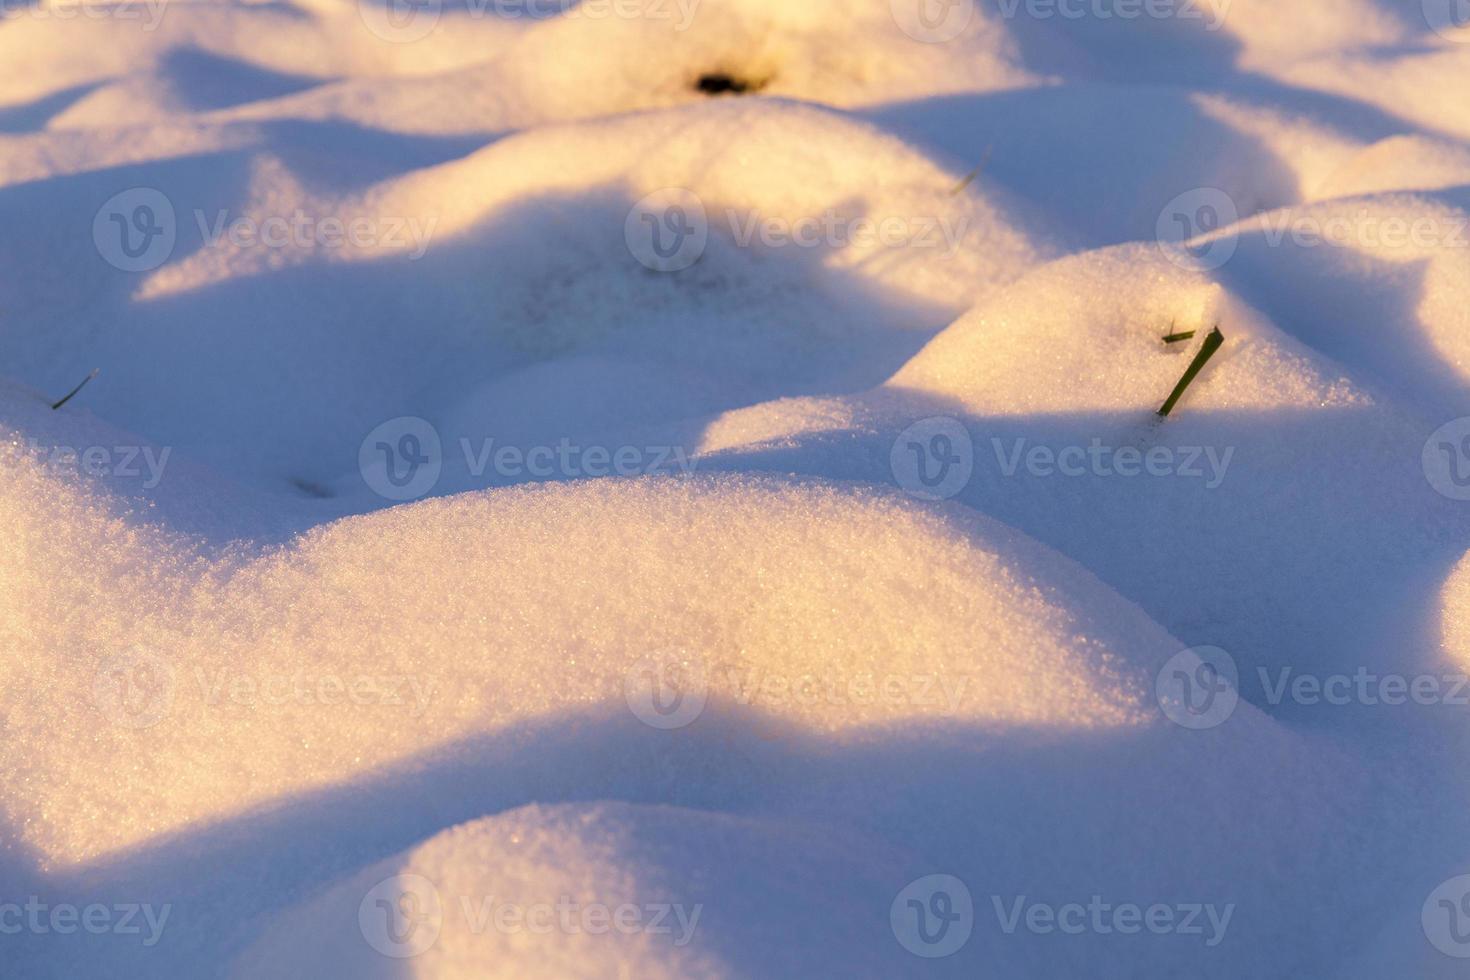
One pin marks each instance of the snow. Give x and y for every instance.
(789, 547)
(574, 867)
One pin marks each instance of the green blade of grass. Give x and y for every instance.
(71, 394)
(1211, 345)
(970, 177)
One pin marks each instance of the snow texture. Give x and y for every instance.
(663, 488)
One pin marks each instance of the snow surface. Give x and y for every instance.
(721, 656)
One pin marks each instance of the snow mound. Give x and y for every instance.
(1379, 283)
(1270, 32)
(1050, 392)
(893, 284)
(1405, 82)
(171, 667)
(486, 67)
(1401, 163)
(1086, 334)
(601, 890)
(532, 249)
(1142, 146)
(1455, 615)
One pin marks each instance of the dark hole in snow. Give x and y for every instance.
(719, 83)
(312, 489)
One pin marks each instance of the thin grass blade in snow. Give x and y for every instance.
(1212, 343)
(71, 394)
